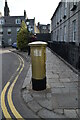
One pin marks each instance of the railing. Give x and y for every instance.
(68, 51)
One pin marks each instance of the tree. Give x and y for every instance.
(23, 37)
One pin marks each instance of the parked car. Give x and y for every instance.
(14, 45)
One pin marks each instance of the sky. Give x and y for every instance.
(42, 10)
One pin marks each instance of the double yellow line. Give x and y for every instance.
(9, 95)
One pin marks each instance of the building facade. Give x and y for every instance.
(65, 23)
(10, 25)
(43, 28)
(65, 31)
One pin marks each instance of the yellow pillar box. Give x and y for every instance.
(38, 59)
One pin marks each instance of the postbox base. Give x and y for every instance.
(39, 84)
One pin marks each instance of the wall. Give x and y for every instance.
(69, 49)
(43, 37)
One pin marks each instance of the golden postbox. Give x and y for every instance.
(38, 60)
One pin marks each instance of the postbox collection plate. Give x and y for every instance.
(37, 52)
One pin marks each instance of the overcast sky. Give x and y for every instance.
(42, 10)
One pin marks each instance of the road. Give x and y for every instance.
(14, 70)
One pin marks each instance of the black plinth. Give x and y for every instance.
(39, 84)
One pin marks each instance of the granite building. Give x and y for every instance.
(10, 25)
(65, 31)
(43, 28)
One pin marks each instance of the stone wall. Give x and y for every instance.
(43, 37)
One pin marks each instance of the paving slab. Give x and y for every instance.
(44, 113)
(60, 98)
(70, 113)
(67, 100)
(34, 106)
(27, 97)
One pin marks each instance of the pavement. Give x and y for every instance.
(61, 97)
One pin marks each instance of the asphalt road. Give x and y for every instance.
(10, 63)
(14, 72)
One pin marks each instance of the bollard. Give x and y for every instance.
(38, 60)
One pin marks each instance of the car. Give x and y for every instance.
(14, 45)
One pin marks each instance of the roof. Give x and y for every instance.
(32, 20)
(12, 16)
(56, 10)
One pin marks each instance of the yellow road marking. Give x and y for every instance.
(3, 105)
(9, 96)
(6, 114)
(19, 65)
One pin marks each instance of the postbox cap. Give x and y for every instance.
(38, 43)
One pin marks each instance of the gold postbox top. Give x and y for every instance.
(38, 43)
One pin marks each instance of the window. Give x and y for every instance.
(1, 21)
(57, 35)
(61, 12)
(29, 28)
(58, 14)
(18, 21)
(65, 8)
(9, 31)
(74, 30)
(27, 23)
(74, 5)
(9, 41)
(52, 35)
(74, 2)
(44, 27)
(17, 29)
(61, 38)
(1, 31)
(64, 33)
(56, 17)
